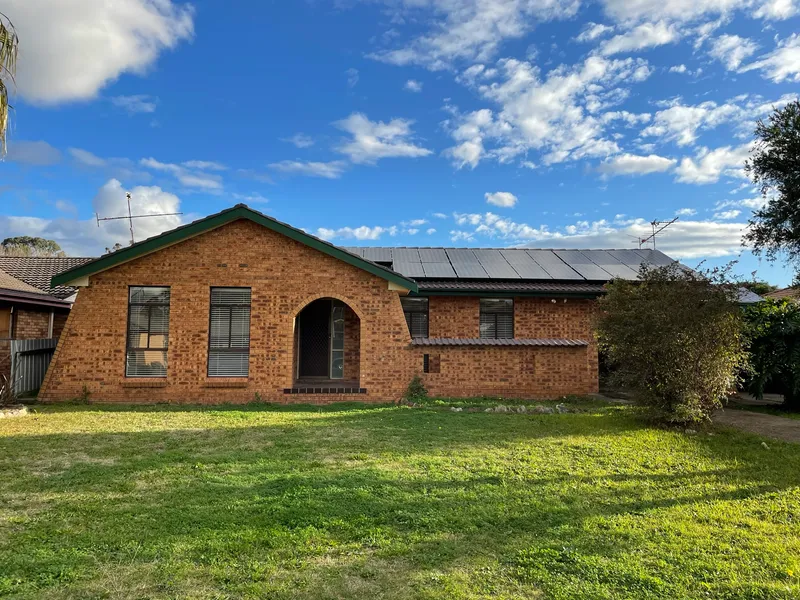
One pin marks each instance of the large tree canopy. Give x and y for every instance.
(9, 43)
(775, 167)
(30, 246)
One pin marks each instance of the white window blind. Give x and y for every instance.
(416, 313)
(497, 318)
(148, 332)
(229, 333)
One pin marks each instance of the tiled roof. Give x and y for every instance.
(789, 292)
(7, 282)
(460, 285)
(37, 271)
(496, 342)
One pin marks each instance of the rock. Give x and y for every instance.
(522, 409)
(562, 408)
(501, 409)
(765, 445)
(455, 409)
(543, 410)
(490, 409)
(690, 432)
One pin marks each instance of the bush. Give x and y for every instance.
(773, 330)
(675, 339)
(416, 389)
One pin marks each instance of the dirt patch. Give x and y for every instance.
(772, 426)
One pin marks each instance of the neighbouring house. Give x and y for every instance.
(789, 293)
(26, 313)
(239, 306)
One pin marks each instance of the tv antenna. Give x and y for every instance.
(658, 227)
(131, 217)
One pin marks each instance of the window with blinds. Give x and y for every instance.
(497, 318)
(148, 332)
(416, 313)
(229, 333)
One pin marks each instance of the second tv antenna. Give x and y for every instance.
(131, 217)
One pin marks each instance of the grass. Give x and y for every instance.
(768, 410)
(392, 503)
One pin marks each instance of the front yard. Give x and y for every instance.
(353, 502)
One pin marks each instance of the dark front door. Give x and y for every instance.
(315, 322)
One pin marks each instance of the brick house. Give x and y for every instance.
(239, 305)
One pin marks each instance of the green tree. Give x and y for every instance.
(774, 165)
(674, 339)
(759, 287)
(30, 246)
(9, 44)
(773, 329)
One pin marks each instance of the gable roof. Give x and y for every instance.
(8, 282)
(240, 211)
(37, 271)
(13, 290)
(792, 293)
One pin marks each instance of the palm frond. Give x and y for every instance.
(9, 47)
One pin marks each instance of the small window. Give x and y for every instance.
(148, 332)
(5, 323)
(229, 333)
(497, 318)
(416, 313)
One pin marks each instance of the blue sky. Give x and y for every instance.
(540, 123)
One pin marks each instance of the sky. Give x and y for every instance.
(533, 123)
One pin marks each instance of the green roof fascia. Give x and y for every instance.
(490, 294)
(240, 211)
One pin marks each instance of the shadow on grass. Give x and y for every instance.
(354, 500)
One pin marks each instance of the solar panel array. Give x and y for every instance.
(514, 263)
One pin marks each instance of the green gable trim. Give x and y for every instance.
(240, 211)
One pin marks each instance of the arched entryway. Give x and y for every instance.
(327, 345)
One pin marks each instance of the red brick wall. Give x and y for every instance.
(31, 324)
(285, 276)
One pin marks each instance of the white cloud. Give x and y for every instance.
(709, 165)
(374, 140)
(727, 215)
(39, 154)
(470, 30)
(352, 77)
(204, 165)
(678, 69)
(631, 164)
(553, 114)
(412, 85)
(685, 11)
(358, 233)
(504, 199)
(254, 198)
(86, 158)
(414, 222)
(327, 170)
(71, 49)
(731, 50)
(116, 168)
(680, 123)
(646, 35)
(430, 231)
(685, 212)
(186, 176)
(776, 10)
(439, 215)
(139, 103)
(300, 140)
(84, 238)
(592, 31)
(66, 206)
(781, 64)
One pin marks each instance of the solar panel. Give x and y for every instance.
(378, 254)
(438, 269)
(433, 255)
(608, 263)
(470, 270)
(404, 255)
(495, 264)
(584, 266)
(654, 257)
(553, 264)
(461, 255)
(409, 269)
(525, 265)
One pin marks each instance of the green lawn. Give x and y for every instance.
(768, 410)
(353, 502)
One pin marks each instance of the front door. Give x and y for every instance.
(315, 323)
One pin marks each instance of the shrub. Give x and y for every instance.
(773, 329)
(675, 339)
(416, 389)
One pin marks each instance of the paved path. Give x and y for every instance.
(781, 428)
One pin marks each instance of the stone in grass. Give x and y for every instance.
(501, 408)
(456, 409)
(542, 410)
(690, 432)
(562, 408)
(522, 409)
(490, 409)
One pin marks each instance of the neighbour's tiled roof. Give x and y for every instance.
(789, 292)
(460, 285)
(37, 271)
(496, 342)
(8, 282)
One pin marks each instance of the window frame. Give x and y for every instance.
(495, 314)
(408, 316)
(10, 310)
(229, 349)
(128, 347)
